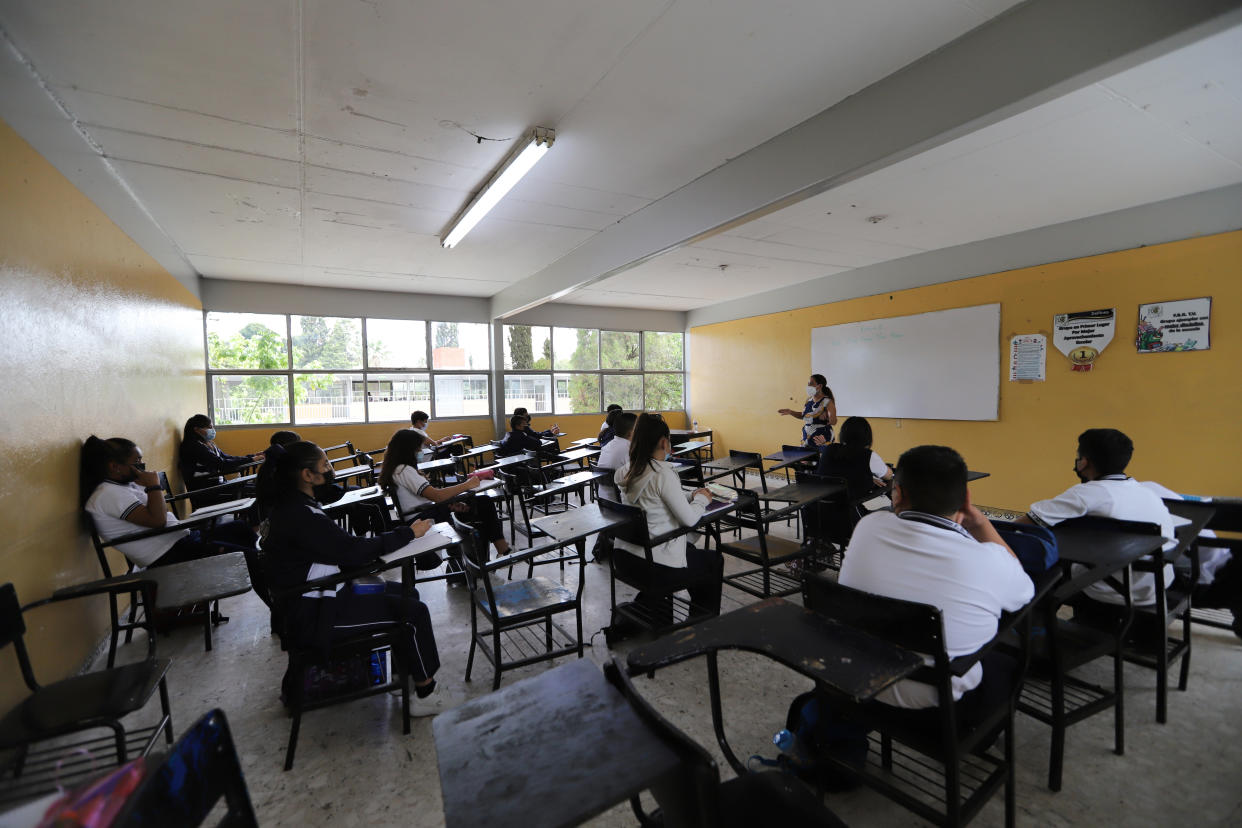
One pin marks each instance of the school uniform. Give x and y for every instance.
(202, 464)
(113, 501)
(303, 544)
(1123, 498)
(409, 484)
(516, 442)
(930, 559)
(676, 564)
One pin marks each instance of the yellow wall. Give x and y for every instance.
(95, 337)
(375, 435)
(1182, 410)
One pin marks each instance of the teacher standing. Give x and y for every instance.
(819, 413)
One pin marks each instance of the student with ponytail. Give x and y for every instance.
(122, 498)
(302, 543)
(649, 481)
(203, 464)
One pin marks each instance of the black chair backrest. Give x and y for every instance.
(634, 530)
(908, 624)
(472, 562)
(1133, 527)
(853, 465)
(12, 630)
(12, 627)
(199, 770)
(744, 455)
(690, 796)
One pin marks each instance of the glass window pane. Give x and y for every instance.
(618, 350)
(396, 343)
(576, 349)
(460, 345)
(395, 396)
(626, 390)
(327, 398)
(528, 347)
(530, 391)
(577, 393)
(326, 342)
(247, 340)
(665, 392)
(662, 351)
(237, 399)
(461, 395)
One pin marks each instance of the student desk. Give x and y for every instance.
(473, 456)
(585, 441)
(575, 482)
(735, 466)
(700, 450)
(577, 455)
(684, 434)
(512, 459)
(578, 524)
(558, 748)
(842, 659)
(976, 475)
(785, 459)
(354, 497)
(436, 469)
(798, 496)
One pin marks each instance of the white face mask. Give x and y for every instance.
(811, 390)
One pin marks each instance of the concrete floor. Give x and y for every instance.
(354, 766)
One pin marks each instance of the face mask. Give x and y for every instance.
(810, 390)
(329, 476)
(211, 434)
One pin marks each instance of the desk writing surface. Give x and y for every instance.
(579, 454)
(438, 537)
(218, 510)
(578, 523)
(431, 465)
(204, 579)
(585, 441)
(354, 496)
(552, 750)
(501, 462)
(847, 660)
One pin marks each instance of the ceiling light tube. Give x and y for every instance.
(517, 164)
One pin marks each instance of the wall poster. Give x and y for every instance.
(1027, 357)
(1081, 335)
(1174, 326)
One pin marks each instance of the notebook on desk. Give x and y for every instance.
(437, 537)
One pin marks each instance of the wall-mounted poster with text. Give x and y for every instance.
(1174, 326)
(1081, 335)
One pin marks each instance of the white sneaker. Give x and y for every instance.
(439, 701)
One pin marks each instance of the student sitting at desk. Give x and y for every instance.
(518, 439)
(1106, 491)
(302, 544)
(413, 491)
(548, 434)
(936, 548)
(650, 482)
(418, 424)
(123, 498)
(607, 430)
(853, 459)
(201, 462)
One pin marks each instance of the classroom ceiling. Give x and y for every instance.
(330, 142)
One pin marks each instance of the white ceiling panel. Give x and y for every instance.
(333, 141)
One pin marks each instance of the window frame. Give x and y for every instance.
(365, 370)
(599, 372)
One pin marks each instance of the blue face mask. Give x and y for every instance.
(211, 434)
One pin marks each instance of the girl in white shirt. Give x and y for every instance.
(650, 482)
(414, 492)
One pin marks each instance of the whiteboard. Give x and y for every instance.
(943, 365)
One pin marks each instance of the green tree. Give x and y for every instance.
(521, 354)
(256, 399)
(544, 362)
(584, 388)
(320, 347)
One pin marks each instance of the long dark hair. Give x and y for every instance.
(856, 433)
(96, 455)
(282, 480)
(197, 421)
(402, 450)
(648, 431)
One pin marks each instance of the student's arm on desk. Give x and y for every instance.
(979, 527)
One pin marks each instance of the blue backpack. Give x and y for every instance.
(1035, 546)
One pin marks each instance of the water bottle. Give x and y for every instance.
(695, 425)
(788, 744)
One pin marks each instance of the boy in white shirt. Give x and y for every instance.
(1106, 491)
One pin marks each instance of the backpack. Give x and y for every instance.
(1035, 546)
(819, 733)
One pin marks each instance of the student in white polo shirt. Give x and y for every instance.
(936, 548)
(123, 498)
(1106, 491)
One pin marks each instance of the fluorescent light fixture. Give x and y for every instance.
(518, 163)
